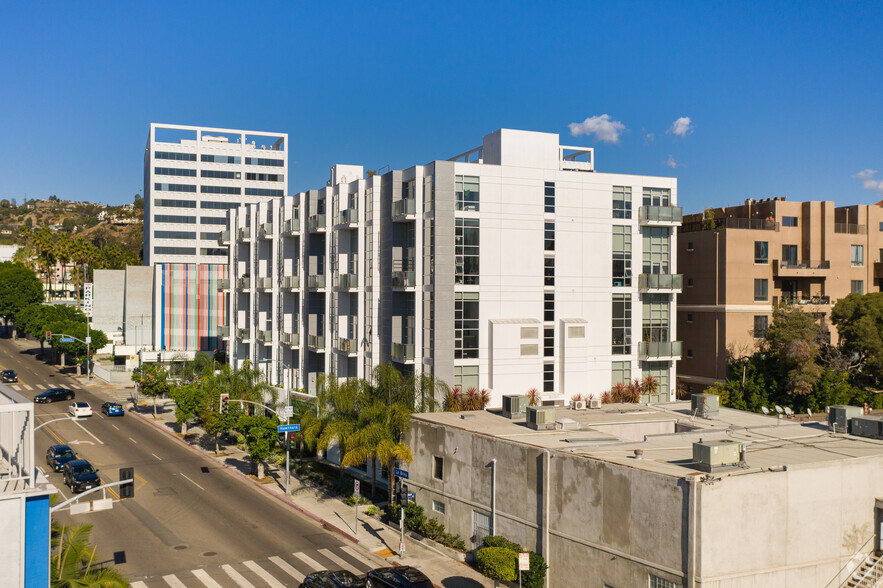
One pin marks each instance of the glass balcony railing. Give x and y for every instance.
(347, 345)
(660, 349)
(316, 281)
(348, 281)
(662, 214)
(661, 282)
(403, 351)
(244, 233)
(404, 207)
(289, 338)
(223, 331)
(223, 284)
(316, 341)
(265, 283)
(243, 283)
(291, 282)
(291, 226)
(348, 216)
(316, 222)
(265, 231)
(224, 237)
(404, 279)
(243, 334)
(265, 336)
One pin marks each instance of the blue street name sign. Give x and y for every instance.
(66, 340)
(287, 428)
(400, 473)
(411, 495)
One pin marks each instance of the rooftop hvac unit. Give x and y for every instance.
(866, 426)
(578, 405)
(541, 418)
(514, 405)
(705, 405)
(594, 403)
(710, 456)
(838, 417)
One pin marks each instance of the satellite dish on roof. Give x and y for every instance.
(779, 409)
(765, 410)
(788, 411)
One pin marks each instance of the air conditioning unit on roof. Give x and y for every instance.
(594, 403)
(578, 405)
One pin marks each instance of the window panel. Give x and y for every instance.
(621, 372)
(761, 324)
(264, 161)
(160, 187)
(622, 324)
(220, 159)
(622, 202)
(655, 317)
(549, 236)
(176, 203)
(549, 307)
(789, 221)
(174, 234)
(548, 377)
(174, 171)
(761, 251)
(858, 287)
(467, 190)
(220, 190)
(174, 156)
(622, 255)
(761, 290)
(263, 192)
(657, 250)
(170, 218)
(657, 197)
(857, 256)
(549, 271)
(174, 250)
(220, 174)
(466, 250)
(549, 194)
(213, 220)
(466, 325)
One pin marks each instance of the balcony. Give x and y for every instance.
(404, 209)
(348, 346)
(244, 334)
(850, 229)
(265, 231)
(799, 299)
(264, 336)
(291, 227)
(801, 269)
(878, 270)
(243, 283)
(660, 282)
(224, 238)
(265, 283)
(316, 342)
(316, 281)
(403, 280)
(316, 222)
(348, 281)
(402, 352)
(291, 282)
(244, 233)
(751, 224)
(349, 216)
(660, 351)
(668, 216)
(290, 339)
(223, 284)
(223, 331)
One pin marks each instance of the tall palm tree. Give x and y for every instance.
(82, 253)
(339, 404)
(63, 252)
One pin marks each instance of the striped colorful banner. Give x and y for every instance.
(190, 307)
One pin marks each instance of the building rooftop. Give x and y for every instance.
(665, 433)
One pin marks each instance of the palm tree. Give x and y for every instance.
(63, 251)
(82, 253)
(339, 405)
(74, 565)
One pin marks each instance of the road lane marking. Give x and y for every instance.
(87, 430)
(339, 561)
(156, 456)
(114, 426)
(287, 568)
(203, 577)
(16, 387)
(264, 574)
(138, 584)
(309, 561)
(194, 483)
(358, 556)
(26, 386)
(133, 441)
(237, 577)
(174, 582)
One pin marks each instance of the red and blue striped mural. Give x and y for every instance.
(189, 306)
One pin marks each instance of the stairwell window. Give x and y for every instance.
(467, 192)
(622, 202)
(549, 205)
(622, 256)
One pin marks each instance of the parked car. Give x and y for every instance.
(80, 409)
(80, 475)
(333, 579)
(8, 376)
(400, 577)
(54, 394)
(58, 455)
(112, 409)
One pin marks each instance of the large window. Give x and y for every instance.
(789, 221)
(466, 325)
(466, 250)
(467, 192)
(263, 161)
(549, 307)
(220, 190)
(761, 252)
(549, 342)
(549, 236)
(657, 197)
(622, 202)
(212, 251)
(622, 255)
(549, 205)
(174, 156)
(213, 220)
(263, 192)
(174, 234)
(174, 171)
(659, 370)
(213, 204)
(789, 255)
(220, 159)
(622, 324)
(761, 324)
(174, 187)
(466, 376)
(761, 290)
(172, 218)
(659, 582)
(176, 203)
(264, 177)
(548, 377)
(655, 317)
(174, 250)
(857, 287)
(657, 250)
(857, 256)
(220, 174)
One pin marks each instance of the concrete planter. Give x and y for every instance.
(436, 546)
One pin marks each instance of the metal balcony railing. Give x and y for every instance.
(660, 349)
(850, 229)
(661, 214)
(755, 224)
(404, 207)
(223, 284)
(403, 351)
(316, 281)
(316, 341)
(291, 282)
(348, 281)
(404, 279)
(348, 216)
(316, 222)
(347, 345)
(674, 282)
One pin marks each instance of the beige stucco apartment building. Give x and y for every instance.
(738, 266)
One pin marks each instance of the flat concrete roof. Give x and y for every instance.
(666, 433)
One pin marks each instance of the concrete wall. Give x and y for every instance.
(139, 306)
(108, 300)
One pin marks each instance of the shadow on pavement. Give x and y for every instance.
(461, 582)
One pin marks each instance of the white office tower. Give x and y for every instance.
(512, 266)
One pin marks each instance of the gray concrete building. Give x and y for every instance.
(613, 496)
(123, 306)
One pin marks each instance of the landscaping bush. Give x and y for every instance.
(535, 577)
(351, 500)
(498, 563)
(432, 529)
(498, 541)
(453, 541)
(414, 517)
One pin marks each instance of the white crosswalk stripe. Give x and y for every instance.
(16, 387)
(264, 574)
(28, 387)
(138, 584)
(173, 581)
(309, 561)
(359, 557)
(237, 577)
(339, 561)
(287, 568)
(203, 577)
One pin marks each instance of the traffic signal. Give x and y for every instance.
(403, 494)
(48, 335)
(225, 403)
(127, 490)
(292, 439)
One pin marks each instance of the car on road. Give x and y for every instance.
(8, 376)
(53, 395)
(80, 475)
(400, 577)
(58, 455)
(80, 409)
(112, 409)
(333, 579)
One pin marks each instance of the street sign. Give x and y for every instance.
(87, 299)
(400, 473)
(523, 562)
(287, 428)
(66, 340)
(356, 487)
(411, 495)
(287, 412)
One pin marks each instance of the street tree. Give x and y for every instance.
(214, 422)
(152, 380)
(77, 348)
(793, 339)
(188, 398)
(19, 287)
(261, 435)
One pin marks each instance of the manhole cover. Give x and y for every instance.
(209, 554)
(179, 547)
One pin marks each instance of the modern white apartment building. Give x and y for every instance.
(512, 266)
(192, 177)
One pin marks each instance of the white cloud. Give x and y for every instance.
(868, 181)
(671, 162)
(602, 127)
(648, 137)
(682, 127)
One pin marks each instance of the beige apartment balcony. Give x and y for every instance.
(803, 300)
(404, 209)
(223, 284)
(265, 231)
(349, 216)
(801, 269)
(316, 342)
(348, 281)
(316, 281)
(660, 282)
(667, 216)
(291, 282)
(850, 229)
(290, 338)
(404, 280)
(224, 237)
(348, 346)
(402, 352)
(659, 351)
(316, 223)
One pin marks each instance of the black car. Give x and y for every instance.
(54, 394)
(58, 455)
(80, 475)
(8, 376)
(327, 579)
(401, 577)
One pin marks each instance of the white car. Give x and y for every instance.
(80, 409)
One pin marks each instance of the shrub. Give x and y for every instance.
(351, 500)
(372, 511)
(535, 577)
(432, 529)
(498, 541)
(393, 513)
(498, 563)
(414, 517)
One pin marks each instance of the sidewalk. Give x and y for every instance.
(329, 511)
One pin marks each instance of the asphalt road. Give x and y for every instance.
(187, 512)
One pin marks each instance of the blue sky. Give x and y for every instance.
(782, 98)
